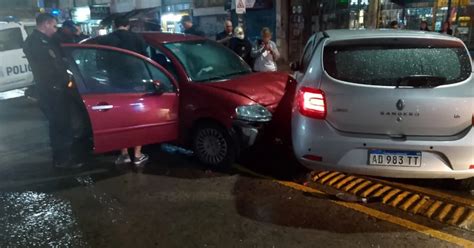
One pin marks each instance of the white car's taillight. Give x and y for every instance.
(312, 103)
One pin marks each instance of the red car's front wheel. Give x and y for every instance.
(213, 145)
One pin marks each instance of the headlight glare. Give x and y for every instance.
(253, 113)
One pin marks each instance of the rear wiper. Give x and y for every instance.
(421, 81)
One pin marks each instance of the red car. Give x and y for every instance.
(189, 89)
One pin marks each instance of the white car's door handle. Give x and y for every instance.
(102, 107)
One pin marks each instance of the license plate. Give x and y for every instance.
(395, 158)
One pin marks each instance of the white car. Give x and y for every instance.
(15, 71)
(386, 103)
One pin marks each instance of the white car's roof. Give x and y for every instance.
(5, 25)
(344, 34)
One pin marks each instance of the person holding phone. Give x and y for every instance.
(265, 53)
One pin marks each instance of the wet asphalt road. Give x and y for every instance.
(175, 202)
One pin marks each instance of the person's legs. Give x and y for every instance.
(124, 152)
(138, 151)
(55, 108)
(140, 158)
(63, 125)
(123, 158)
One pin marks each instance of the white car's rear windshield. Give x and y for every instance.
(388, 61)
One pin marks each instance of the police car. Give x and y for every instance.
(15, 71)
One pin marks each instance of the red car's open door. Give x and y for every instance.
(130, 99)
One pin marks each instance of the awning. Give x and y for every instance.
(405, 2)
(439, 3)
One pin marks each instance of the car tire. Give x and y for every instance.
(467, 184)
(213, 146)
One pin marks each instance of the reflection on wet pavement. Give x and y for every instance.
(114, 210)
(12, 94)
(31, 219)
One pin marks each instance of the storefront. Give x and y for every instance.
(409, 13)
(259, 14)
(210, 15)
(89, 18)
(171, 13)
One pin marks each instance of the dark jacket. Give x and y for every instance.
(243, 48)
(47, 62)
(65, 36)
(222, 35)
(194, 31)
(126, 40)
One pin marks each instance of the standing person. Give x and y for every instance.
(265, 52)
(424, 26)
(225, 36)
(123, 38)
(241, 45)
(446, 29)
(80, 36)
(189, 27)
(49, 69)
(66, 33)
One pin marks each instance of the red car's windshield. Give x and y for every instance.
(208, 61)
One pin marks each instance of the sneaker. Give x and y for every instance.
(123, 159)
(141, 160)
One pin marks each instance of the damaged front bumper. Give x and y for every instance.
(247, 133)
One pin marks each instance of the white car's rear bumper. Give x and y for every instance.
(449, 157)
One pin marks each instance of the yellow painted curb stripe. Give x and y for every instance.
(344, 181)
(395, 194)
(375, 213)
(422, 205)
(444, 212)
(454, 198)
(331, 175)
(405, 206)
(381, 191)
(332, 181)
(320, 174)
(352, 184)
(409, 224)
(399, 198)
(390, 194)
(361, 186)
(456, 215)
(468, 223)
(372, 188)
(433, 209)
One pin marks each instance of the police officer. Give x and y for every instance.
(49, 69)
